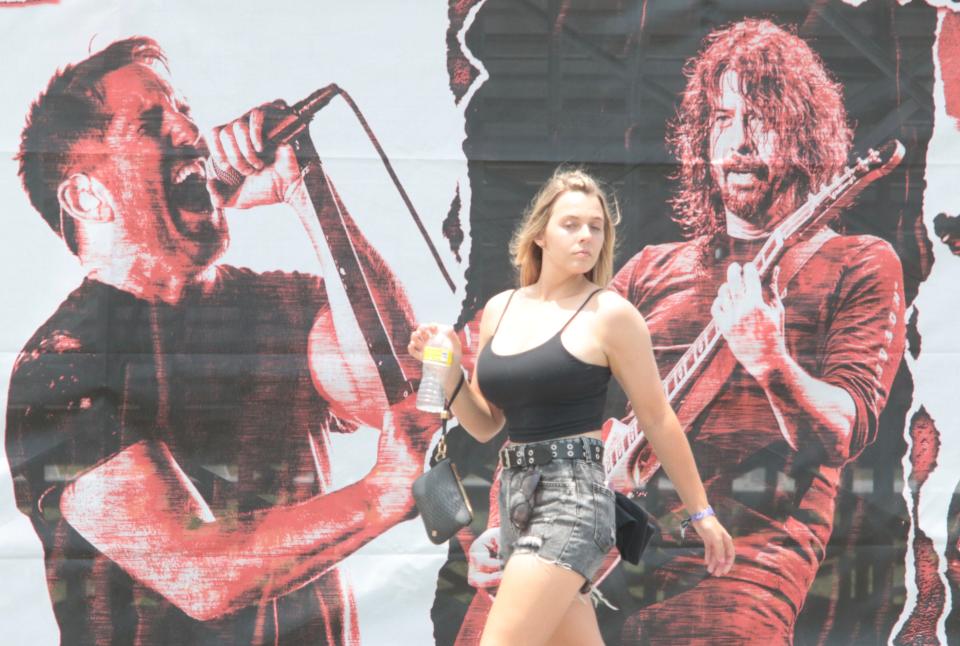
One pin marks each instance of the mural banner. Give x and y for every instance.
(223, 221)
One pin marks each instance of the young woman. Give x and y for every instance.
(547, 351)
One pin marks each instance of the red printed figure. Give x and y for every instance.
(761, 127)
(948, 53)
(167, 427)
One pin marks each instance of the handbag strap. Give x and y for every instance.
(444, 416)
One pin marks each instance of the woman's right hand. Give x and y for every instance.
(426, 331)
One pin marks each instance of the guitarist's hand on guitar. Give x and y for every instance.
(752, 327)
(484, 568)
(719, 552)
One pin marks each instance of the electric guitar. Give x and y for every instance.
(628, 458)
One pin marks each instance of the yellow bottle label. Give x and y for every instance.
(442, 356)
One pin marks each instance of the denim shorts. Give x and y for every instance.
(561, 511)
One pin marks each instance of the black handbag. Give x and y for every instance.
(439, 494)
(635, 528)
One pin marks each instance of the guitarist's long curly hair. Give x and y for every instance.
(781, 79)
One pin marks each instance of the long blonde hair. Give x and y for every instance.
(527, 256)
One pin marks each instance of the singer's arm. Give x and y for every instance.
(341, 365)
(343, 370)
(140, 509)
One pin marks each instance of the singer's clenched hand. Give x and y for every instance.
(240, 145)
(398, 465)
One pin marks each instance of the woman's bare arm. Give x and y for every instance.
(476, 415)
(625, 339)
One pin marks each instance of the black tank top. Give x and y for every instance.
(545, 392)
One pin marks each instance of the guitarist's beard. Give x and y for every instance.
(750, 207)
(762, 211)
(747, 187)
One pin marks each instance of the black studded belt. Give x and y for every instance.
(539, 453)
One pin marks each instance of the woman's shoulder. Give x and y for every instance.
(610, 303)
(495, 306)
(497, 302)
(501, 298)
(613, 311)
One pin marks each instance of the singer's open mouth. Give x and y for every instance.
(186, 188)
(189, 206)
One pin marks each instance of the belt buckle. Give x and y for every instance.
(503, 458)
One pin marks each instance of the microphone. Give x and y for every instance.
(290, 125)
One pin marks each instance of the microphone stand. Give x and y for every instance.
(331, 216)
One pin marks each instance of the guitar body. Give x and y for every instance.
(625, 474)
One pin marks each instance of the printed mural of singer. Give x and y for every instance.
(559, 338)
(167, 426)
(761, 126)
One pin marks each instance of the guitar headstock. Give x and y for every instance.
(879, 161)
(831, 198)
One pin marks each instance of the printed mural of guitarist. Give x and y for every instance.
(167, 427)
(807, 358)
(778, 350)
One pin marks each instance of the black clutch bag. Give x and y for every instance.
(635, 528)
(442, 501)
(439, 494)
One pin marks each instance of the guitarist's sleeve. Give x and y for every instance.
(624, 283)
(865, 336)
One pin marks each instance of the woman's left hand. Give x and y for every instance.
(719, 552)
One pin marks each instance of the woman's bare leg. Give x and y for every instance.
(579, 625)
(533, 599)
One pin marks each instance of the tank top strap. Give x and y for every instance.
(582, 305)
(500, 320)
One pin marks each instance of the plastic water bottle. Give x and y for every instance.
(437, 359)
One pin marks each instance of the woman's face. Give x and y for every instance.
(574, 234)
